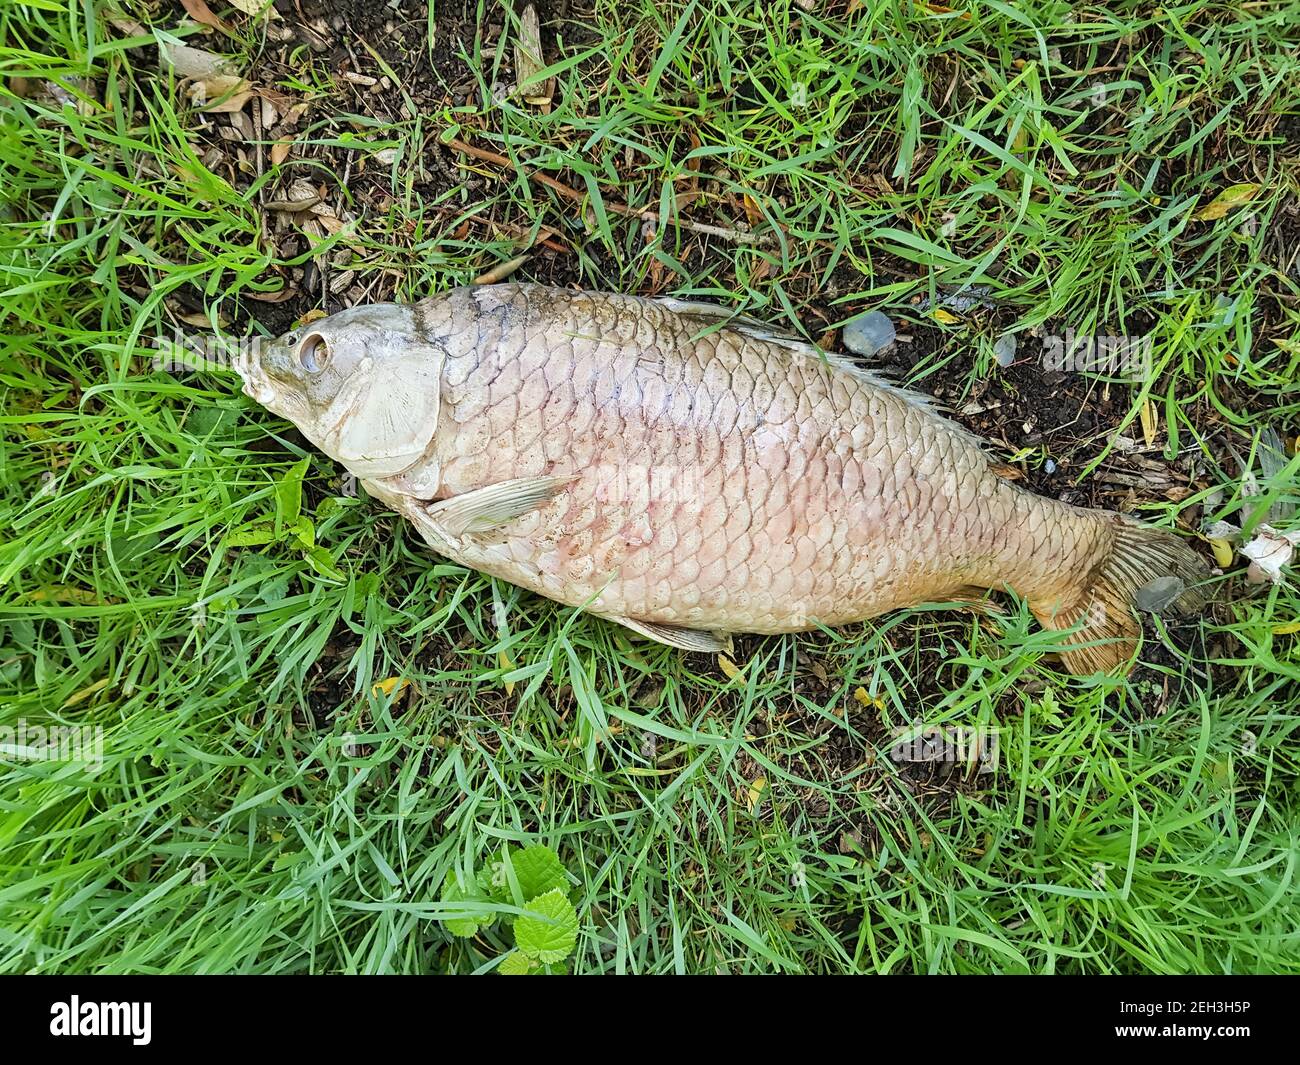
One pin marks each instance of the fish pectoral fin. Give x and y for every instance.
(486, 508)
(673, 636)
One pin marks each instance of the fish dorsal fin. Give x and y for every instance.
(713, 315)
(932, 406)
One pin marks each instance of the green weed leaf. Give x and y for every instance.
(452, 891)
(549, 931)
(516, 963)
(538, 870)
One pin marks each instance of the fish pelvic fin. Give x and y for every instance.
(676, 636)
(975, 598)
(1102, 625)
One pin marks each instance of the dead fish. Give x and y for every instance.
(688, 473)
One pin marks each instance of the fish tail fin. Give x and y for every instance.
(1102, 616)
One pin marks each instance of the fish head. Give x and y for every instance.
(362, 385)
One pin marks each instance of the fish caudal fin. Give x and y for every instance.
(1145, 567)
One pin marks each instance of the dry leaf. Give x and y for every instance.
(1232, 197)
(866, 699)
(754, 793)
(280, 151)
(300, 196)
(1222, 552)
(64, 593)
(228, 92)
(331, 223)
(503, 661)
(387, 687)
(193, 63)
(126, 25)
(944, 9)
(294, 206)
(945, 317)
(279, 296)
(200, 320)
(1268, 552)
(728, 667)
(282, 102)
(213, 77)
(881, 184)
(529, 60)
(1150, 421)
(501, 271)
(84, 694)
(255, 7)
(200, 12)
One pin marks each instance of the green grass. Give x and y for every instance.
(262, 807)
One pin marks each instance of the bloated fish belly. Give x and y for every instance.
(753, 545)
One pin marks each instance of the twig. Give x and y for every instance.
(569, 193)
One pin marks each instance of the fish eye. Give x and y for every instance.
(314, 354)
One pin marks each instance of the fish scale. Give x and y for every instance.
(822, 520)
(682, 471)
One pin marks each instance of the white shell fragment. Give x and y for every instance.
(1268, 551)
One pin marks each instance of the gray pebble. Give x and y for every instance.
(1157, 594)
(1005, 349)
(869, 333)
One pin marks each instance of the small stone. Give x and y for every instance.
(1156, 595)
(1005, 349)
(1049, 467)
(869, 333)
(244, 124)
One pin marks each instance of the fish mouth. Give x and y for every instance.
(248, 364)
